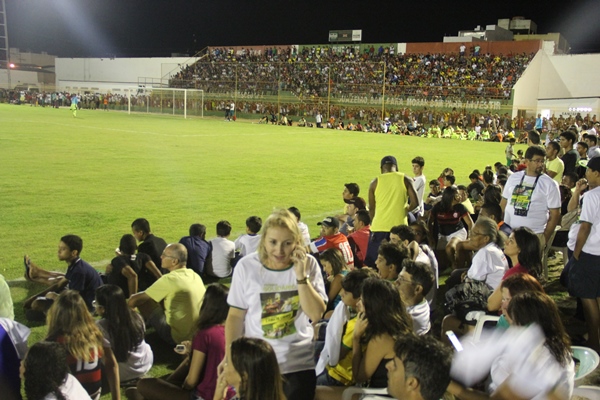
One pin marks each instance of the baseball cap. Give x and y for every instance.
(594, 164)
(389, 160)
(331, 222)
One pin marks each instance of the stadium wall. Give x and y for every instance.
(507, 47)
(119, 73)
(557, 84)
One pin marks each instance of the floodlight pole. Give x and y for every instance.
(6, 43)
(328, 92)
(383, 95)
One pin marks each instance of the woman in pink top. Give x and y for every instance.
(196, 377)
(523, 249)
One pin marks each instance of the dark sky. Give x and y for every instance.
(144, 28)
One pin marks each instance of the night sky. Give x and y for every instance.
(136, 28)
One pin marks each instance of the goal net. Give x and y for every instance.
(167, 101)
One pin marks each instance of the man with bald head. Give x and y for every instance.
(180, 292)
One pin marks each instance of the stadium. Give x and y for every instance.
(157, 138)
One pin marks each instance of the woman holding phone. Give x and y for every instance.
(275, 294)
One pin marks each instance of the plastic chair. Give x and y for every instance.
(565, 253)
(484, 321)
(587, 392)
(588, 362)
(547, 250)
(371, 392)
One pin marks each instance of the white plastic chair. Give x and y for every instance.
(588, 362)
(587, 392)
(546, 250)
(370, 392)
(481, 323)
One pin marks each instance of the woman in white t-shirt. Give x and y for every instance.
(46, 374)
(274, 295)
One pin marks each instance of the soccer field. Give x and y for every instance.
(94, 174)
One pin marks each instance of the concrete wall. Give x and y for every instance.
(557, 83)
(106, 73)
(531, 46)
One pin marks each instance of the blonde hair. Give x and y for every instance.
(69, 317)
(279, 219)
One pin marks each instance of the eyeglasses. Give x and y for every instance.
(399, 280)
(538, 161)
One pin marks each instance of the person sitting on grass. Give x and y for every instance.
(88, 356)
(80, 276)
(149, 244)
(199, 250)
(123, 329)
(130, 271)
(46, 374)
(171, 305)
(248, 243)
(196, 376)
(223, 252)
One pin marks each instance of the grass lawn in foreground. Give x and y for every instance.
(94, 174)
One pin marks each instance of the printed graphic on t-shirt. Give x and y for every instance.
(279, 309)
(521, 199)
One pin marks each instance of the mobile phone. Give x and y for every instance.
(180, 348)
(454, 340)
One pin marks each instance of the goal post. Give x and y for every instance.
(166, 101)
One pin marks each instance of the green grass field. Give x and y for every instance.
(94, 174)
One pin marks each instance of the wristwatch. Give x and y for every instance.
(303, 281)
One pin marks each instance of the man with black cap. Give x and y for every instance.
(389, 205)
(332, 238)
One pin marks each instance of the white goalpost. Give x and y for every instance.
(166, 101)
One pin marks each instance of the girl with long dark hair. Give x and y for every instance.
(123, 330)
(196, 376)
(251, 368)
(46, 374)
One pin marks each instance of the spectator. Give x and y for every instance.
(130, 271)
(353, 206)
(252, 369)
(448, 219)
(80, 276)
(391, 197)
(570, 156)
(334, 267)
(418, 163)
(71, 324)
(529, 360)
(301, 225)
(46, 374)
(584, 242)
(420, 369)
(334, 367)
(196, 376)
(554, 165)
(149, 244)
(223, 251)
(123, 330)
(332, 238)
(414, 282)
(13, 346)
(269, 269)
(171, 305)
(198, 249)
(359, 239)
(248, 243)
(531, 198)
(389, 260)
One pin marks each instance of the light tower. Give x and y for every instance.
(4, 49)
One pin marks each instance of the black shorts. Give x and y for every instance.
(584, 276)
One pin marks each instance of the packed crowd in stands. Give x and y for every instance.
(309, 318)
(319, 72)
